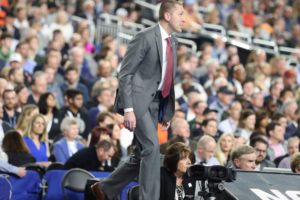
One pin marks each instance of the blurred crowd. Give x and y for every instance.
(58, 85)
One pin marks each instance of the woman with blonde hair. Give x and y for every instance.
(224, 147)
(27, 112)
(36, 138)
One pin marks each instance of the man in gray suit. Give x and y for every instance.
(146, 96)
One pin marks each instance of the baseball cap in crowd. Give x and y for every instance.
(225, 90)
(241, 133)
(290, 73)
(15, 57)
(208, 110)
(122, 12)
(189, 2)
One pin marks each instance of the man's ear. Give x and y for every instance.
(236, 162)
(167, 16)
(200, 149)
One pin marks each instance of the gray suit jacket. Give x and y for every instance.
(140, 74)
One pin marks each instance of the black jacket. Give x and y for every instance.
(168, 185)
(20, 158)
(87, 159)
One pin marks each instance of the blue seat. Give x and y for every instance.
(5, 187)
(27, 187)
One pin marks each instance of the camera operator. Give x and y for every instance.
(174, 182)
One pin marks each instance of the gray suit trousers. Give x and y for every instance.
(144, 162)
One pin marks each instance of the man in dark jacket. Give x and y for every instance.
(93, 158)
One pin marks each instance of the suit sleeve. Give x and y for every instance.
(135, 54)
(59, 154)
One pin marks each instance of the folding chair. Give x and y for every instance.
(133, 193)
(75, 180)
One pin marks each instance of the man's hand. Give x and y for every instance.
(129, 121)
(165, 126)
(21, 172)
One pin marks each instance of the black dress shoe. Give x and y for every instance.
(97, 192)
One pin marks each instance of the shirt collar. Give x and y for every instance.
(164, 34)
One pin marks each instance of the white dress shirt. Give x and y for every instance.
(164, 36)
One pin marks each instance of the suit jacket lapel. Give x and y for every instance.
(158, 43)
(65, 147)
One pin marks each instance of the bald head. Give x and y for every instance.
(206, 141)
(180, 127)
(206, 148)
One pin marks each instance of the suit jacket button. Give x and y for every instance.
(153, 94)
(158, 82)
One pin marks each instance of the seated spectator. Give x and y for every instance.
(28, 111)
(295, 163)
(198, 108)
(174, 181)
(277, 145)
(211, 67)
(241, 136)
(36, 138)
(5, 48)
(180, 127)
(281, 119)
(209, 127)
(192, 98)
(47, 107)
(68, 145)
(192, 16)
(238, 77)
(38, 86)
(260, 145)
(28, 64)
(98, 134)
(292, 148)
(262, 120)
(185, 86)
(225, 96)
(206, 148)
(16, 149)
(104, 99)
(243, 157)
(247, 121)
(10, 114)
(75, 109)
(289, 109)
(61, 23)
(248, 88)
(257, 98)
(104, 119)
(53, 87)
(22, 96)
(112, 132)
(72, 76)
(15, 77)
(230, 124)
(224, 147)
(93, 158)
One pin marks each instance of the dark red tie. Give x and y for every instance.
(169, 71)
